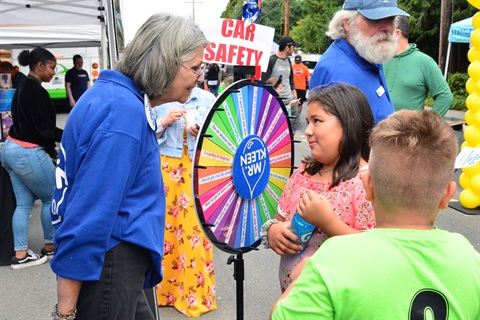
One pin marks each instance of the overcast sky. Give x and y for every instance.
(135, 12)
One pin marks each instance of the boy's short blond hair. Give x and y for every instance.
(412, 160)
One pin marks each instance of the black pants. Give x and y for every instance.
(119, 293)
(302, 95)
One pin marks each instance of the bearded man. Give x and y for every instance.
(364, 38)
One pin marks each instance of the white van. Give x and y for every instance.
(56, 87)
(310, 60)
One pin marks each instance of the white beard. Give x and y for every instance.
(378, 49)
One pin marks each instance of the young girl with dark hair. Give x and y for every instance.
(338, 124)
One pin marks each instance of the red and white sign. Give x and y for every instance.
(234, 42)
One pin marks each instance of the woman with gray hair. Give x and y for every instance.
(109, 203)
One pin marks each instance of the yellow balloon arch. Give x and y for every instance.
(470, 178)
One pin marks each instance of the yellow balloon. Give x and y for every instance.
(475, 41)
(476, 118)
(473, 102)
(470, 117)
(465, 144)
(472, 135)
(472, 170)
(474, 70)
(475, 3)
(471, 86)
(464, 180)
(476, 21)
(473, 54)
(475, 184)
(469, 199)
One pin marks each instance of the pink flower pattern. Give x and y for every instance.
(200, 280)
(183, 200)
(176, 174)
(189, 278)
(195, 241)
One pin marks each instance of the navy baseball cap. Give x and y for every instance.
(375, 9)
(288, 41)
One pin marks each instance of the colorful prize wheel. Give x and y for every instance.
(243, 158)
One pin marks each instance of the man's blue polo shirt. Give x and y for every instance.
(341, 63)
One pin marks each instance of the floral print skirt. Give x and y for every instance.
(188, 277)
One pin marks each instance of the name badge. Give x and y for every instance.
(380, 91)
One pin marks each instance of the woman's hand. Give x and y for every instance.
(279, 239)
(173, 115)
(193, 130)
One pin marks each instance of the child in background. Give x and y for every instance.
(338, 124)
(406, 268)
(276, 83)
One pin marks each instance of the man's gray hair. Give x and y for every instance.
(335, 27)
(154, 56)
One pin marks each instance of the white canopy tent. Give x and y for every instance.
(58, 23)
(50, 36)
(459, 33)
(49, 12)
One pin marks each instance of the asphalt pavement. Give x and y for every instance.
(31, 293)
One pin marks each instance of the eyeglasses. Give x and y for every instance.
(194, 70)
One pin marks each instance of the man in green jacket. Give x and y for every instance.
(411, 74)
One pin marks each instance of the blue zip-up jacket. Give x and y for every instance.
(109, 186)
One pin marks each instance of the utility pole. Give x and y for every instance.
(445, 21)
(287, 18)
(193, 7)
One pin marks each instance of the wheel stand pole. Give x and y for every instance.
(239, 276)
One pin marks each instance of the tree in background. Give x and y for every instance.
(310, 30)
(309, 20)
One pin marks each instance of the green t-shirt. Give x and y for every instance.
(388, 274)
(410, 76)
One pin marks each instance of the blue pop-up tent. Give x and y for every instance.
(460, 32)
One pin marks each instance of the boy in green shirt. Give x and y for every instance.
(406, 268)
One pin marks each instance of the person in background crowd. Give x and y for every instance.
(276, 83)
(228, 75)
(28, 154)
(339, 122)
(16, 75)
(364, 38)
(405, 268)
(301, 77)
(279, 65)
(109, 201)
(213, 81)
(412, 74)
(189, 288)
(76, 81)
